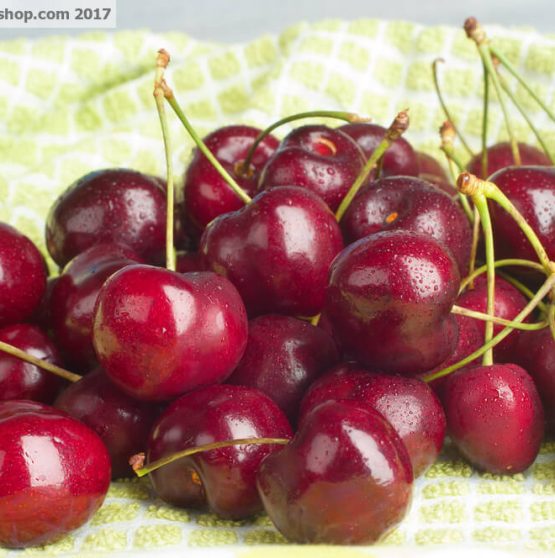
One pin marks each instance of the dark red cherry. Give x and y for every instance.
(321, 159)
(430, 169)
(22, 380)
(122, 423)
(159, 334)
(189, 261)
(389, 301)
(532, 191)
(399, 159)
(494, 416)
(408, 404)
(277, 251)
(22, 276)
(73, 300)
(500, 156)
(206, 193)
(346, 478)
(407, 203)
(284, 356)
(508, 303)
(224, 480)
(110, 205)
(41, 316)
(55, 474)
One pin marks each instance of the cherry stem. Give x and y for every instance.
(339, 115)
(145, 470)
(444, 105)
(315, 320)
(500, 263)
(393, 133)
(523, 289)
(44, 364)
(528, 309)
(461, 311)
(170, 97)
(475, 241)
(485, 113)
(504, 61)
(162, 61)
(551, 319)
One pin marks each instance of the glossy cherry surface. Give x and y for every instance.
(284, 356)
(206, 193)
(189, 261)
(121, 422)
(321, 159)
(22, 380)
(55, 473)
(158, 333)
(22, 276)
(73, 298)
(345, 478)
(110, 205)
(411, 204)
(432, 171)
(389, 301)
(408, 404)
(224, 480)
(277, 251)
(494, 416)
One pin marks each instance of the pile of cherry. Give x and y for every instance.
(296, 362)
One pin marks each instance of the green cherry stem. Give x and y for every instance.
(476, 227)
(339, 115)
(551, 319)
(524, 313)
(43, 364)
(529, 294)
(170, 97)
(162, 61)
(137, 461)
(393, 133)
(461, 311)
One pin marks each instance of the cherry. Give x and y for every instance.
(494, 416)
(284, 356)
(110, 205)
(122, 423)
(409, 204)
(55, 474)
(389, 301)
(276, 250)
(399, 159)
(345, 478)
(189, 261)
(22, 276)
(321, 159)
(431, 171)
(408, 404)
(73, 298)
(500, 156)
(205, 192)
(223, 479)
(158, 333)
(21, 380)
(41, 316)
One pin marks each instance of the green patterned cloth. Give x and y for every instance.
(71, 105)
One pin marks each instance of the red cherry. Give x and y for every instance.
(345, 478)
(222, 479)
(189, 261)
(430, 170)
(158, 333)
(55, 474)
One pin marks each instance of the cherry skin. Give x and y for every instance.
(206, 193)
(284, 356)
(430, 170)
(41, 316)
(494, 416)
(22, 380)
(110, 205)
(408, 404)
(345, 478)
(408, 203)
(500, 156)
(73, 299)
(321, 159)
(389, 301)
(159, 334)
(22, 276)
(532, 191)
(277, 251)
(224, 480)
(55, 474)
(189, 261)
(121, 422)
(399, 159)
